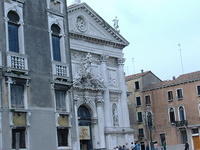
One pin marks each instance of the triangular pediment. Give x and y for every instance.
(84, 21)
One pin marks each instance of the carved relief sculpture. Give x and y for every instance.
(81, 24)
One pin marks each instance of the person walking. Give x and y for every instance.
(186, 146)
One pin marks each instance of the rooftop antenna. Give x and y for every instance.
(133, 63)
(180, 50)
(116, 24)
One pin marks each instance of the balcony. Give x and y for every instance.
(182, 123)
(17, 62)
(60, 70)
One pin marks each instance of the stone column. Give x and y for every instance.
(108, 122)
(123, 102)
(100, 113)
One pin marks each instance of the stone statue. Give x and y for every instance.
(116, 24)
(86, 64)
(115, 115)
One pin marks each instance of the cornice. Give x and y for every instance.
(95, 40)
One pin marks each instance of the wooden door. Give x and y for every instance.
(196, 142)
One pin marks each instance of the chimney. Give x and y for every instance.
(174, 78)
(142, 71)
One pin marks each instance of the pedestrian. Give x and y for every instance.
(186, 146)
(120, 147)
(137, 146)
(156, 146)
(132, 146)
(164, 145)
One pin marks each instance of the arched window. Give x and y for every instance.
(55, 29)
(172, 115)
(13, 31)
(115, 115)
(181, 113)
(84, 115)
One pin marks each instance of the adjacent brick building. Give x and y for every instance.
(175, 106)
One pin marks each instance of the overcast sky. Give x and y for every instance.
(154, 28)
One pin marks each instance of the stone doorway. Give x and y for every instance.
(85, 132)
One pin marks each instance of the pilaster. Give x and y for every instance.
(124, 106)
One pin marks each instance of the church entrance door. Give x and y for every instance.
(85, 132)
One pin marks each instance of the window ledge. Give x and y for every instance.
(170, 100)
(181, 98)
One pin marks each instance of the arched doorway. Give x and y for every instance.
(85, 132)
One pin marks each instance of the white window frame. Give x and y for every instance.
(168, 96)
(138, 118)
(9, 82)
(18, 8)
(69, 133)
(177, 93)
(143, 131)
(67, 100)
(138, 84)
(197, 133)
(27, 136)
(53, 19)
(197, 90)
(183, 111)
(140, 101)
(169, 114)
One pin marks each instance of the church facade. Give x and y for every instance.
(99, 83)
(62, 82)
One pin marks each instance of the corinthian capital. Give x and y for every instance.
(121, 61)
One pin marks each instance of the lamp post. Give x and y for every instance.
(150, 125)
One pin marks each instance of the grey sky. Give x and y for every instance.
(154, 28)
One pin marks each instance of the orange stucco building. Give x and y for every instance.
(175, 108)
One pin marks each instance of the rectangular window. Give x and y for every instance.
(18, 138)
(17, 95)
(170, 95)
(56, 48)
(163, 139)
(198, 90)
(137, 86)
(62, 134)
(139, 116)
(147, 100)
(179, 93)
(13, 37)
(141, 132)
(195, 131)
(60, 100)
(138, 101)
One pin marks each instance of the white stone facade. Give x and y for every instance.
(99, 83)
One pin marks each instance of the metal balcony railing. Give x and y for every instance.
(181, 123)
